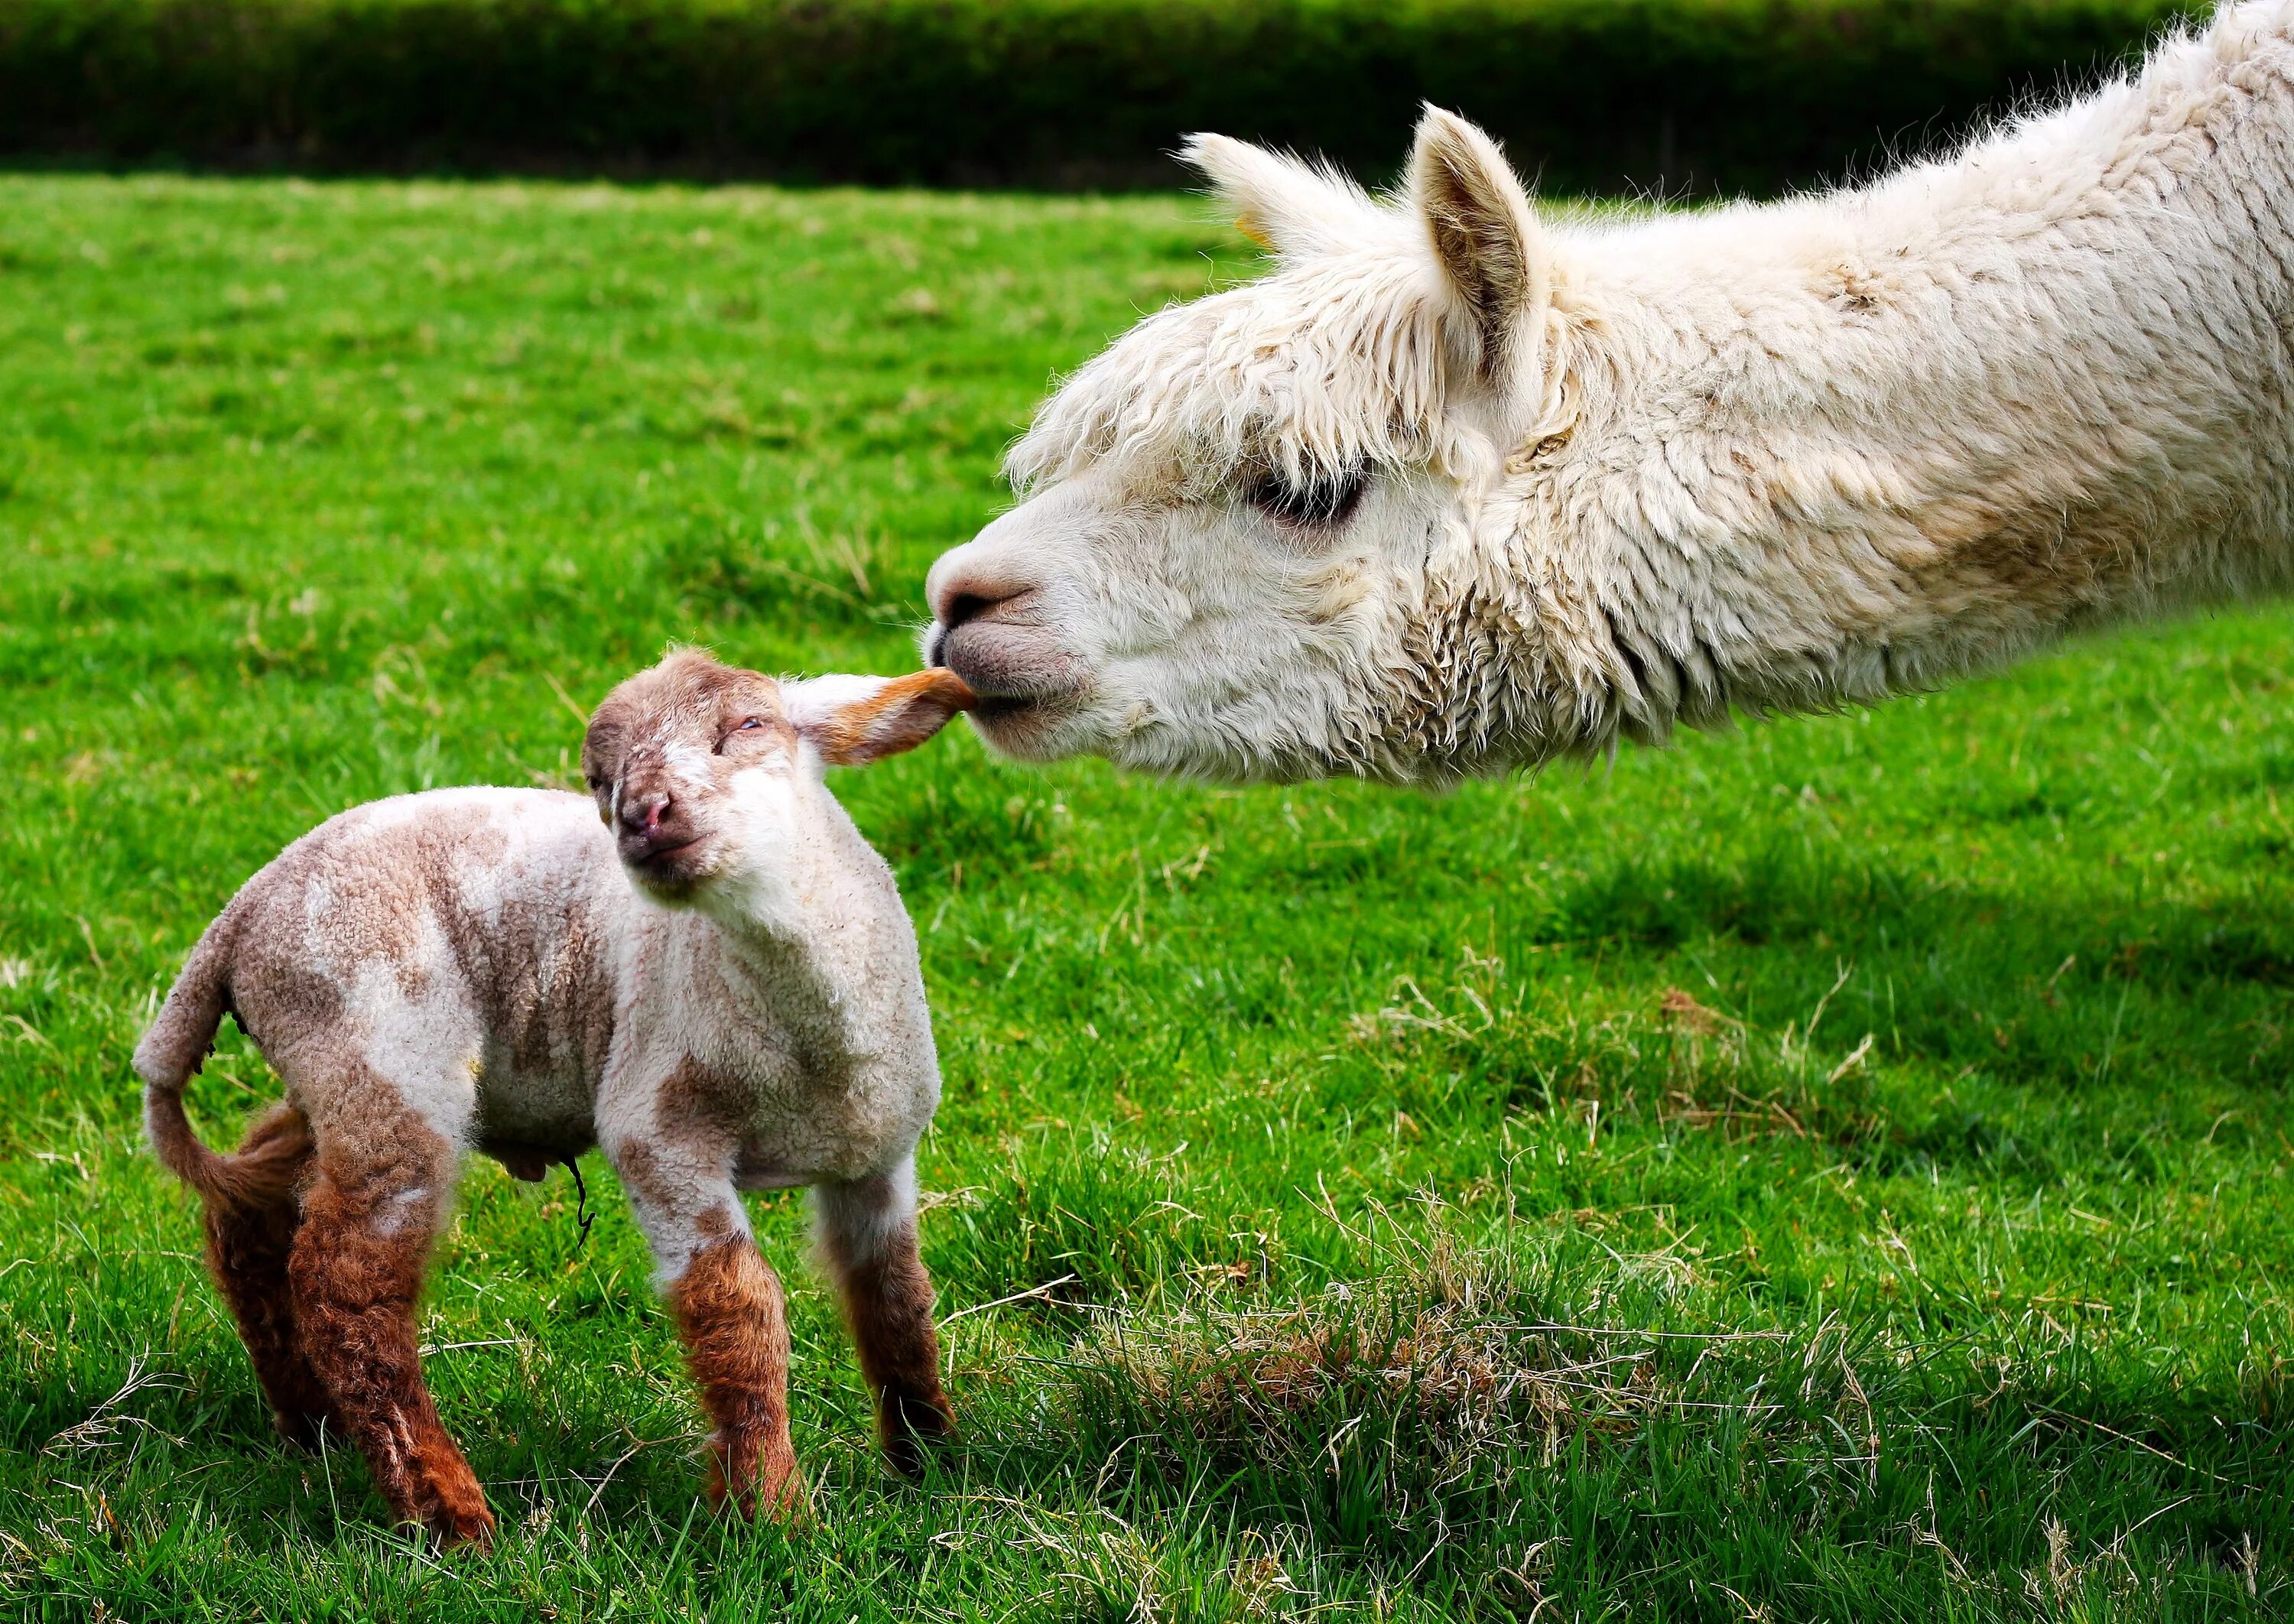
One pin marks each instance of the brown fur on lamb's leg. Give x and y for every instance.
(868, 1237)
(730, 1311)
(357, 1271)
(250, 1231)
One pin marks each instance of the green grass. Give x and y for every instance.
(1835, 1170)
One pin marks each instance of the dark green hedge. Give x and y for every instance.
(1681, 95)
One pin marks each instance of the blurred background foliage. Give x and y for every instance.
(1678, 98)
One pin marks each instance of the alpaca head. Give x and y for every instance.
(1231, 520)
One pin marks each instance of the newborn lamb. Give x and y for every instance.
(719, 990)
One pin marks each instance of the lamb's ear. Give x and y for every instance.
(854, 720)
(1281, 202)
(1483, 230)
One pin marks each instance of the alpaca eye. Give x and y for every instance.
(755, 721)
(1324, 499)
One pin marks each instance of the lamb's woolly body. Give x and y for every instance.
(1777, 457)
(481, 954)
(493, 970)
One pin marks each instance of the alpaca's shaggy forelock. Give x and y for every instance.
(1624, 475)
(1320, 366)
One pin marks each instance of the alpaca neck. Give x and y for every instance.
(1832, 450)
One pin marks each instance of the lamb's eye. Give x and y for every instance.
(747, 724)
(1323, 501)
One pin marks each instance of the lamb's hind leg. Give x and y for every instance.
(250, 1233)
(357, 1271)
(868, 1239)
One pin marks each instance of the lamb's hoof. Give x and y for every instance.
(299, 1430)
(474, 1535)
(465, 1527)
(792, 1507)
(915, 1429)
(782, 1498)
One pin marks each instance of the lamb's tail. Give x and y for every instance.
(173, 1051)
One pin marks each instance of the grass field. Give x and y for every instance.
(1836, 1170)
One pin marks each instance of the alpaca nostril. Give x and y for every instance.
(995, 627)
(963, 606)
(977, 590)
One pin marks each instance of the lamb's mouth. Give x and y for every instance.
(669, 870)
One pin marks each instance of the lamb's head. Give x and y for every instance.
(1233, 520)
(698, 768)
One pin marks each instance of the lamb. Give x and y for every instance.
(720, 991)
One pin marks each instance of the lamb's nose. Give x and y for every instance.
(642, 813)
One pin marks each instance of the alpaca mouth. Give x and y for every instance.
(1030, 722)
(1011, 668)
(1023, 729)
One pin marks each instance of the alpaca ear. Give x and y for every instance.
(1283, 203)
(1483, 230)
(854, 720)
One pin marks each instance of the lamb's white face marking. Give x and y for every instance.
(774, 811)
(665, 754)
(1229, 518)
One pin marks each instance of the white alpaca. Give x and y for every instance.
(1454, 490)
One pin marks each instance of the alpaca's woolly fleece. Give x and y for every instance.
(1627, 474)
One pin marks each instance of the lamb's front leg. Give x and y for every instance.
(732, 1316)
(868, 1238)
